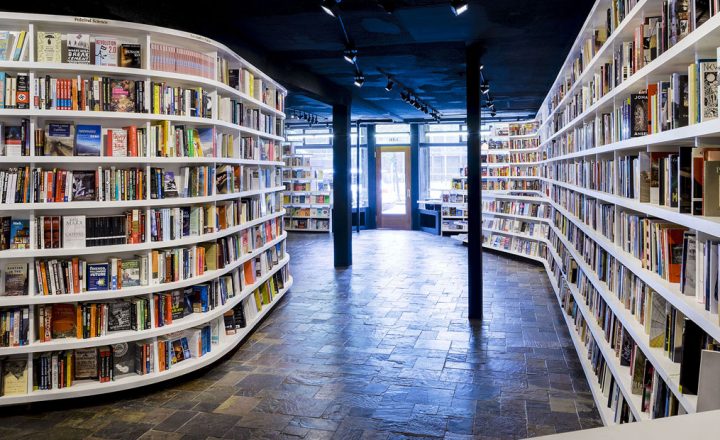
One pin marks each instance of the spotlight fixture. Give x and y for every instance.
(482, 66)
(359, 79)
(329, 6)
(390, 84)
(485, 87)
(458, 6)
(387, 5)
(350, 54)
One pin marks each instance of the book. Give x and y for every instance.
(120, 316)
(708, 90)
(73, 229)
(84, 186)
(711, 189)
(15, 376)
(130, 55)
(130, 273)
(639, 111)
(59, 139)
(685, 179)
(170, 188)
(86, 365)
(122, 95)
(88, 140)
(117, 140)
(78, 48)
(708, 383)
(692, 343)
(123, 358)
(20, 234)
(16, 279)
(98, 276)
(49, 47)
(12, 140)
(4, 45)
(64, 320)
(689, 266)
(106, 51)
(637, 371)
(207, 137)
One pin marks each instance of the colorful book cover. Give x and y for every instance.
(49, 47)
(131, 56)
(88, 140)
(207, 136)
(98, 276)
(106, 51)
(4, 43)
(20, 234)
(59, 139)
(12, 138)
(64, 319)
(130, 273)
(122, 95)
(84, 186)
(16, 279)
(169, 185)
(78, 48)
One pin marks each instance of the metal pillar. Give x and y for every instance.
(342, 198)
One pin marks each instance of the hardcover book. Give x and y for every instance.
(122, 95)
(83, 186)
(687, 284)
(123, 358)
(16, 279)
(692, 342)
(20, 234)
(708, 383)
(86, 366)
(130, 273)
(117, 139)
(106, 51)
(15, 376)
(64, 319)
(120, 316)
(169, 185)
(708, 90)
(638, 117)
(131, 55)
(78, 48)
(59, 139)
(12, 139)
(49, 47)
(73, 229)
(98, 276)
(711, 189)
(88, 140)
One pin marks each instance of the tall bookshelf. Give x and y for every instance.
(631, 239)
(308, 195)
(163, 230)
(453, 207)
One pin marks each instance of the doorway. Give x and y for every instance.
(393, 188)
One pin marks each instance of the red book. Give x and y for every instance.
(132, 146)
(108, 143)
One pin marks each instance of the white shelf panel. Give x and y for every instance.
(508, 251)
(9, 301)
(192, 320)
(123, 116)
(103, 160)
(498, 151)
(516, 234)
(516, 216)
(668, 370)
(510, 164)
(115, 249)
(91, 388)
(511, 177)
(306, 230)
(154, 203)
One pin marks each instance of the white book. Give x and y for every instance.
(74, 231)
(708, 383)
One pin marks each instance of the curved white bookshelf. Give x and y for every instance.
(257, 270)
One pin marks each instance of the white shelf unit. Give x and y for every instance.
(557, 128)
(266, 160)
(308, 199)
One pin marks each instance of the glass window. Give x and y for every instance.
(392, 134)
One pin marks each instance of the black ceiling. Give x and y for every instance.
(421, 44)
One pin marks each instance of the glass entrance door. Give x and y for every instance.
(393, 188)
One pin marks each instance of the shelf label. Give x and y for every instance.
(91, 20)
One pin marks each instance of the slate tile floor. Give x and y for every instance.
(382, 350)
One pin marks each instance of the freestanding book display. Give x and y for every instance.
(141, 204)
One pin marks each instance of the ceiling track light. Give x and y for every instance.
(387, 5)
(458, 6)
(390, 84)
(329, 6)
(350, 54)
(359, 80)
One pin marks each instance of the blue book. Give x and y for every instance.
(88, 140)
(20, 234)
(97, 276)
(200, 300)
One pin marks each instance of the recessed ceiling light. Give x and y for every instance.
(459, 6)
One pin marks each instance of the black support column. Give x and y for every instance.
(415, 174)
(342, 199)
(475, 288)
(370, 220)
